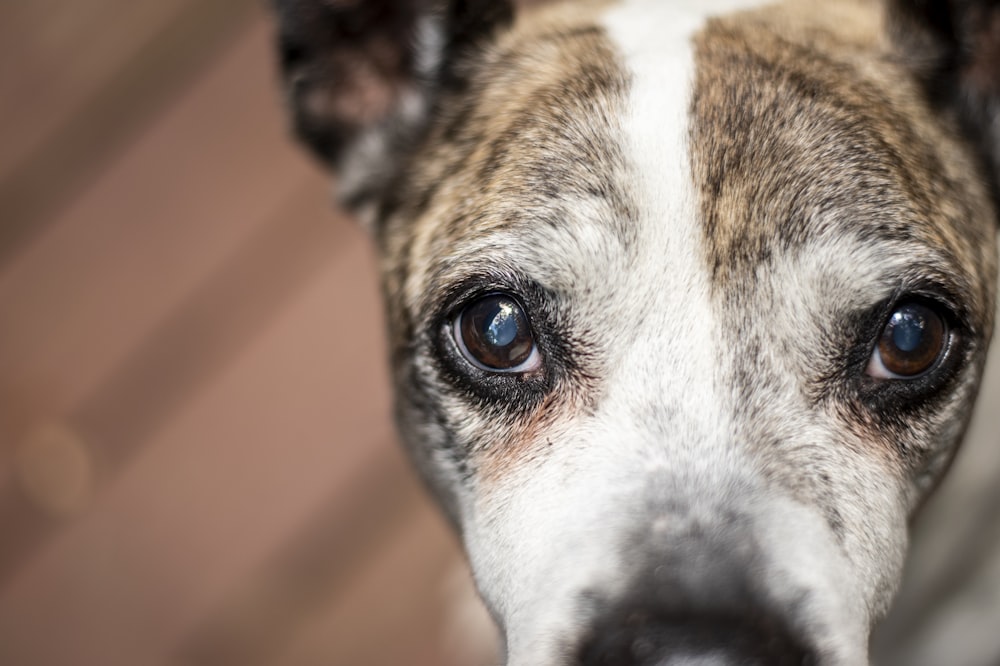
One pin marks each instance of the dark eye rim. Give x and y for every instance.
(503, 390)
(946, 317)
(521, 368)
(905, 393)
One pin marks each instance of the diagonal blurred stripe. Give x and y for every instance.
(64, 164)
(311, 571)
(201, 337)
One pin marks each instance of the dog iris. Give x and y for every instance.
(911, 342)
(493, 334)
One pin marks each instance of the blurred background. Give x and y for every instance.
(197, 464)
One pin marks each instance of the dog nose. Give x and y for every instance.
(699, 601)
(657, 637)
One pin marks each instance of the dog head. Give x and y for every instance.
(688, 307)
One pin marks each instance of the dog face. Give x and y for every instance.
(688, 307)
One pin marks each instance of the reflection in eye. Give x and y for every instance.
(911, 343)
(493, 334)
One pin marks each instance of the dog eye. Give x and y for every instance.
(912, 342)
(493, 334)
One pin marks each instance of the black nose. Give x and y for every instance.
(650, 637)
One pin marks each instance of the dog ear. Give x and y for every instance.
(953, 46)
(361, 76)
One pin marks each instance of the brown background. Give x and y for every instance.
(197, 464)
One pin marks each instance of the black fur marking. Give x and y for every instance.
(342, 61)
(348, 63)
(953, 47)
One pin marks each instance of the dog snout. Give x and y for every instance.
(660, 637)
(700, 601)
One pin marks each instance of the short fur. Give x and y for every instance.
(708, 213)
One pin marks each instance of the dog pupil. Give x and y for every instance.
(495, 332)
(913, 339)
(908, 326)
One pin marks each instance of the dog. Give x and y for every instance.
(689, 301)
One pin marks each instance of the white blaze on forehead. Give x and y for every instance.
(655, 41)
(674, 360)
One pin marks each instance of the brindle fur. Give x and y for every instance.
(838, 159)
